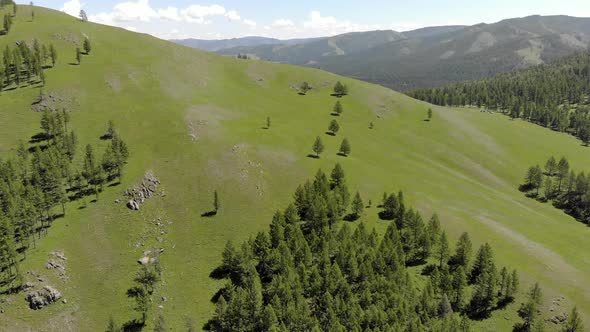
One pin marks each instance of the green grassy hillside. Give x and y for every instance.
(195, 119)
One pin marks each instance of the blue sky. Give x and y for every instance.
(302, 18)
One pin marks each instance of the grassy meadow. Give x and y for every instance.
(196, 120)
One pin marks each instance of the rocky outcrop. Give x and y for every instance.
(44, 297)
(139, 193)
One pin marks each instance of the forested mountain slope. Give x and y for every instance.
(202, 124)
(437, 56)
(553, 95)
(474, 52)
(312, 51)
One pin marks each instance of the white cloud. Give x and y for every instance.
(233, 15)
(142, 11)
(127, 12)
(170, 14)
(319, 24)
(199, 14)
(134, 29)
(283, 23)
(249, 23)
(72, 7)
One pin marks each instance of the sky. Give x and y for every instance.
(178, 19)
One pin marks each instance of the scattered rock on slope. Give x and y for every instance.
(43, 297)
(139, 193)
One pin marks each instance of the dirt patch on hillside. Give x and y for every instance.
(484, 40)
(261, 73)
(70, 38)
(241, 165)
(461, 126)
(204, 121)
(54, 101)
(552, 260)
(113, 82)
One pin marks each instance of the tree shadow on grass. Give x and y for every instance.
(221, 292)
(329, 133)
(39, 137)
(73, 64)
(342, 154)
(426, 120)
(334, 114)
(209, 214)
(313, 156)
(133, 325)
(351, 217)
(114, 184)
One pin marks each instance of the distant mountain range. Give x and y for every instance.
(430, 56)
(216, 45)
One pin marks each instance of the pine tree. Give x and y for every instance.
(337, 110)
(429, 114)
(463, 251)
(216, 204)
(304, 87)
(551, 166)
(318, 146)
(340, 89)
(267, 122)
(87, 46)
(442, 252)
(574, 322)
(52, 55)
(334, 127)
(345, 147)
(78, 55)
(357, 205)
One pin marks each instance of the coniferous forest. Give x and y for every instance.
(558, 183)
(552, 95)
(314, 272)
(46, 174)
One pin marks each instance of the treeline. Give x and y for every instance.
(551, 95)
(7, 18)
(43, 176)
(311, 272)
(558, 183)
(23, 63)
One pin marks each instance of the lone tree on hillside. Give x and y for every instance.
(334, 127)
(215, 201)
(52, 55)
(345, 148)
(340, 89)
(338, 108)
(87, 46)
(318, 146)
(268, 122)
(429, 114)
(83, 16)
(304, 87)
(32, 11)
(78, 55)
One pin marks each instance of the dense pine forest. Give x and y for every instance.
(314, 272)
(556, 182)
(553, 95)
